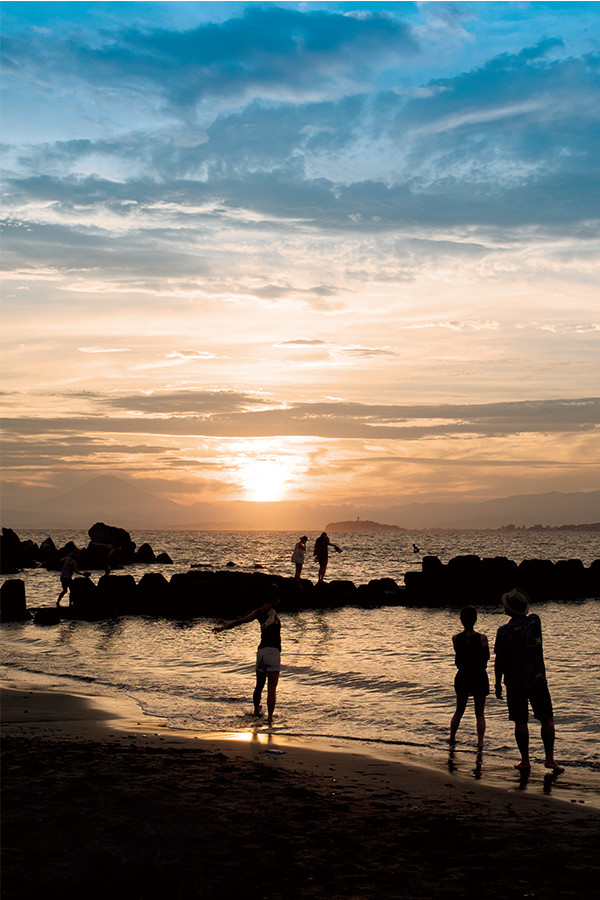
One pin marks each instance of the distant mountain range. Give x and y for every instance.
(116, 501)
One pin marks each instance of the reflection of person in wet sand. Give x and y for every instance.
(520, 658)
(299, 555)
(268, 656)
(321, 553)
(69, 570)
(471, 656)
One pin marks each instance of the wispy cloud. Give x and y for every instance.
(219, 217)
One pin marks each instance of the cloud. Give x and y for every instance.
(273, 52)
(227, 414)
(104, 350)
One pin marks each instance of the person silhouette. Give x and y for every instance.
(321, 553)
(299, 555)
(472, 652)
(520, 659)
(69, 570)
(268, 654)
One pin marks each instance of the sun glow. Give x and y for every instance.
(266, 480)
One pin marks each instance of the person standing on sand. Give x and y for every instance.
(299, 555)
(472, 652)
(321, 553)
(268, 655)
(520, 658)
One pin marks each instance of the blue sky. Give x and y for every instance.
(301, 251)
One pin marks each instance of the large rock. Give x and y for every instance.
(13, 605)
(111, 536)
(10, 552)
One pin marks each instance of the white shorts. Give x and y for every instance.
(268, 659)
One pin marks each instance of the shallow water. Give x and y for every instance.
(381, 677)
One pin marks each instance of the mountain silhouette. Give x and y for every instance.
(116, 501)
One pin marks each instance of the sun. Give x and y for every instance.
(266, 480)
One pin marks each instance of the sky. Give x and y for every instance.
(304, 252)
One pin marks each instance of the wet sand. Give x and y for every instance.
(100, 802)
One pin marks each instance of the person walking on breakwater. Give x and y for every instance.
(321, 553)
(520, 658)
(268, 655)
(472, 652)
(69, 570)
(299, 555)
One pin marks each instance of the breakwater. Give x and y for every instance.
(227, 590)
(227, 594)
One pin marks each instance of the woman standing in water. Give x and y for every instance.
(268, 655)
(299, 555)
(471, 657)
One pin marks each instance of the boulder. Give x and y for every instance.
(49, 615)
(13, 605)
(84, 600)
(145, 554)
(10, 552)
(112, 536)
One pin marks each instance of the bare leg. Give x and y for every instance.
(461, 705)
(522, 739)
(271, 692)
(548, 735)
(261, 677)
(322, 570)
(61, 595)
(480, 720)
(298, 571)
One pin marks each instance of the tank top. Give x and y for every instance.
(270, 629)
(471, 656)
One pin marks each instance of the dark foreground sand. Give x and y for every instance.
(93, 811)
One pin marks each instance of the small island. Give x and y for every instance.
(362, 525)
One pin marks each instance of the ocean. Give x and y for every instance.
(371, 680)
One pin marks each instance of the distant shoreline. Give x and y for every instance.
(332, 526)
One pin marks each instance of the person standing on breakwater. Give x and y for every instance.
(520, 658)
(69, 570)
(299, 555)
(472, 652)
(268, 655)
(321, 553)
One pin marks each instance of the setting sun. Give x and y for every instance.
(266, 480)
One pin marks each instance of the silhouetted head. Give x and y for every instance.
(304, 539)
(516, 602)
(468, 616)
(273, 597)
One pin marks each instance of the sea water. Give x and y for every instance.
(379, 678)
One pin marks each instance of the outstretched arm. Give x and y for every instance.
(234, 624)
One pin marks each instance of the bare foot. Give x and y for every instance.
(523, 766)
(257, 712)
(552, 764)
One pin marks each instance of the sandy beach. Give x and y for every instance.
(98, 801)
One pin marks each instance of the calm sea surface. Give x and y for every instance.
(377, 678)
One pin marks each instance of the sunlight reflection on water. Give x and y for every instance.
(377, 675)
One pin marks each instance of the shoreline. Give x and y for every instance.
(106, 801)
(63, 714)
